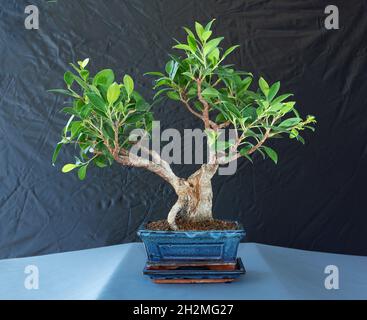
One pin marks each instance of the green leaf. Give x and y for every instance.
(160, 92)
(96, 101)
(84, 74)
(276, 107)
(220, 118)
(245, 84)
(69, 110)
(199, 30)
(84, 63)
(81, 82)
(129, 84)
(212, 136)
(173, 95)
(210, 92)
(137, 97)
(62, 91)
(75, 67)
(162, 82)
(300, 139)
(94, 89)
(296, 113)
(282, 97)
(271, 154)
(100, 162)
(223, 145)
(259, 111)
(85, 111)
(214, 56)
(192, 43)
(188, 74)
(229, 51)
(244, 152)
(171, 69)
(287, 106)
(56, 152)
(154, 73)
(108, 132)
(69, 167)
(78, 104)
(134, 118)
(68, 78)
(189, 32)
(252, 95)
(273, 91)
(206, 35)
(290, 122)
(198, 106)
(211, 45)
(209, 25)
(104, 77)
(66, 128)
(82, 172)
(113, 93)
(74, 128)
(182, 46)
(232, 108)
(264, 86)
(142, 105)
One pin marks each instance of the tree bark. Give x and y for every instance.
(194, 194)
(195, 197)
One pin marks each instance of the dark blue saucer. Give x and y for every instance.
(199, 273)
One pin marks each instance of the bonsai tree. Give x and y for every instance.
(104, 112)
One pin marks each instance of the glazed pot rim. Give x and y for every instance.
(240, 229)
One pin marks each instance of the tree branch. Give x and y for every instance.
(116, 140)
(157, 159)
(260, 143)
(224, 125)
(226, 160)
(132, 160)
(188, 107)
(205, 105)
(185, 101)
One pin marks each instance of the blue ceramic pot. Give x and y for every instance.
(219, 245)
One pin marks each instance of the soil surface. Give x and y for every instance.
(184, 225)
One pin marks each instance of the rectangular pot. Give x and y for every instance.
(216, 245)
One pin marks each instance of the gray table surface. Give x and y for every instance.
(116, 273)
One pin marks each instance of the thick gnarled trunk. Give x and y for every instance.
(195, 197)
(195, 194)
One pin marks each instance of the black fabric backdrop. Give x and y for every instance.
(313, 199)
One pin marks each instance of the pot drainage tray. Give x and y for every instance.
(194, 272)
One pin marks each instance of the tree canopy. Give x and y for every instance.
(221, 97)
(103, 111)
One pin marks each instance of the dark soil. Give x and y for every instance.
(185, 225)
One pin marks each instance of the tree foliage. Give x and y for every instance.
(102, 113)
(222, 96)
